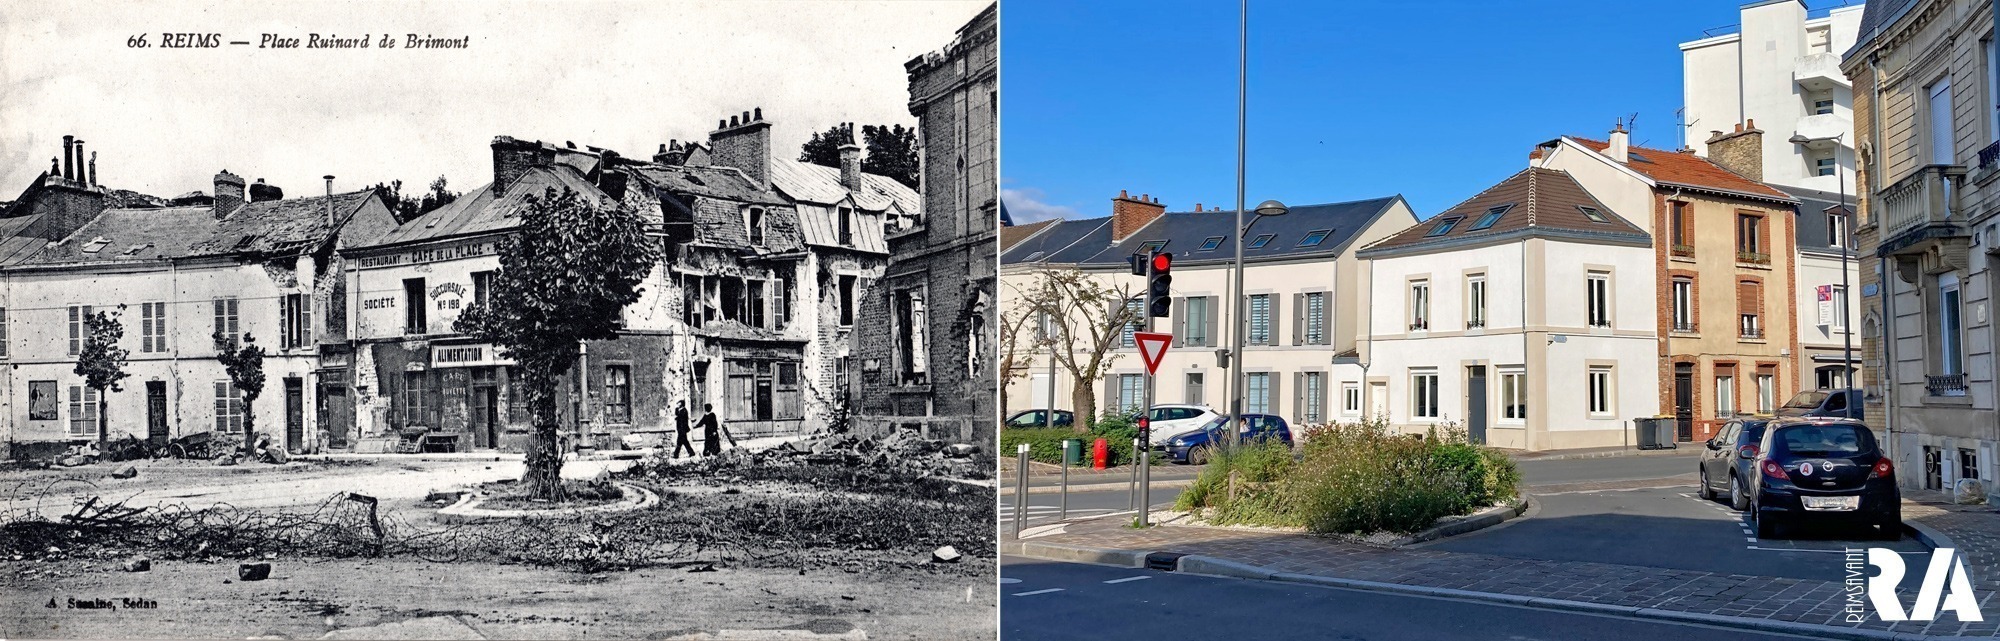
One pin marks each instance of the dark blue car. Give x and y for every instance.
(1192, 447)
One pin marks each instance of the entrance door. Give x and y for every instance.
(335, 414)
(295, 414)
(156, 412)
(1475, 403)
(485, 417)
(1378, 400)
(1684, 402)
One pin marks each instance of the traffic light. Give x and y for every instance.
(1145, 430)
(1160, 286)
(1139, 264)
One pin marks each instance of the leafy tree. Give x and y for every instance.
(891, 150)
(1087, 320)
(409, 208)
(244, 360)
(101, 362)
(565, 275)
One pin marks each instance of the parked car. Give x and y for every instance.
(1039, 418)
(1192, 447)
(1823, 470)
(1170, 421)
(1730, 461)
(1826, 402)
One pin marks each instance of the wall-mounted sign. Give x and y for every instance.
(1868, 290)
(448, 295)
(430, 254)
(468, 355)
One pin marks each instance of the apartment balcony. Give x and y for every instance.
(1752, 258)
(1819, 72)
(1922, 207)
(1822, 128)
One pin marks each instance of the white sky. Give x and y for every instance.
(622, 75)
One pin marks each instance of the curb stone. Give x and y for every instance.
(1928, 536)
(1210, 566)
(1078, 488)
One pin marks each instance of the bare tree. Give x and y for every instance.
(1088, 319)
(1017, 357)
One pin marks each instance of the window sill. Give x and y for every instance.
(1757, 266)
(1689, 259)
(1681, 334)
(1957, 400)
(1753, 341)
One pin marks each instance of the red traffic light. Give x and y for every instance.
(1162, 263)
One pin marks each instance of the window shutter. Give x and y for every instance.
(1271, 337)
(1210, 335)
(1180, 321)
(1298, 394)
(305, 320)
(1298, 319)
(1111, 393)
(1326, 320)
(1746, 297)
(1272, 396)
(1325, 393)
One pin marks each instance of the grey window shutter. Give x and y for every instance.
(1180, 321)
(1298, 319)
(1326, 319)
(1111, 399)
(1273, 396)
(1325, 394)
(1298, 395)
(1277, 312)
(1213, 340)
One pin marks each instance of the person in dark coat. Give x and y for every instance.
(711, 431)
(681, 429)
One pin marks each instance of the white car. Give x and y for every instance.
(1170, 421)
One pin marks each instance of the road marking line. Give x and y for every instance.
(1008, 581)
(1038, 592)
(1127, 579)
(1751, 539)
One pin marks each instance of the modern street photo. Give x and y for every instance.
(446, 320)
(1460, 320)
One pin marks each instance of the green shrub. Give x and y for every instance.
(1354, 477)
(1045, 445)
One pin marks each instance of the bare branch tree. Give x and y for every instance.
(1089, 319)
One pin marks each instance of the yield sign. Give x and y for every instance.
(1152, 346)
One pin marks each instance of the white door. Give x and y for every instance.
(1378, 399)
(1038, 391)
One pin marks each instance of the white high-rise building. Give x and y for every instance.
(1781, 68)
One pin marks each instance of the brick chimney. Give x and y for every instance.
(850, 162)
(1618, 145)
(228, 193)
(69, 156)
(672, 153)
(512, 158)
(1128, 214)
(1740, 151)
(744, 143)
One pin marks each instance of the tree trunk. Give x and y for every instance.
(249, 426)
(1083, 403)
(103, 424)
(544, 455)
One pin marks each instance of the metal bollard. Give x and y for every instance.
(1145, 487)
(1021, 490)
(1132, 487)
(1062, 513)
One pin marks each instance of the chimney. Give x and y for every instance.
(609, 180)
(672, 153)
(1740, 151)
(81, 178)
(850, 162)
(512, 158)
(93, 169)
(69, 156)
(1128, 214)
(744, 144)
(228, 193)
(1197, 208)
(260, 192)
(1618, 145)
(329, 200)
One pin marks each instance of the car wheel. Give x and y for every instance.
(1198, 456)
(1737, 500)
(1767, 528)
(1706, 491)
(1892, 529)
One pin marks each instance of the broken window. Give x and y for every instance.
(482, 287)
(226, 325)
(691, 301)
(846, 301)
(618, 393)
(911, 344)
(416, 399)
(732, 299)
(755, 303)
(846, 216)
(294, 321)
(228, 408)
(753, 223)
(414, 319)
(781, 303)
(82, 411)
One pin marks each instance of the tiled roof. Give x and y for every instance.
(713, 182)
(1687, 169)
(483, 211)
(279, 225)
(1291, 235)
(171, 232)
(1016, 233)
(1531, 201)
(1067, 242)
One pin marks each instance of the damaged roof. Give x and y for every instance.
(819, 184)
(134, 234)
(280, 226)
(483, 211)
(709, 181)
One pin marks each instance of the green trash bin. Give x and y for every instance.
(1072, 451)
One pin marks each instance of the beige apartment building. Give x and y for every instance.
(1928, 128)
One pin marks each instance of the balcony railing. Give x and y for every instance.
(1685, 328)
(1925, 197)
(1946, 385)
(1752, 332)
(1475, 324)
(1757, 258)
(1419, 326)
(1684, 251)
(1988, 155)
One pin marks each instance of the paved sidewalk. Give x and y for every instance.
(1974, 531)
(1625, 589)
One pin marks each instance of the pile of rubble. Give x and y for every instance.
(899, 452)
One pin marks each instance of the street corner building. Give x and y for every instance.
(749, 311)
(243, 261)
(928, 326)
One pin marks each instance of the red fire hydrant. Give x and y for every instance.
(1100, 452)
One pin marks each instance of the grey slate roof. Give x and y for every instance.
(484, 211)
(1066, 243)
(1185, 232)
(272, 226)
(1533, 202)
(1812, 223)
(1877, 15)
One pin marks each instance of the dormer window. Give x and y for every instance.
(753, 223)
(846, 216)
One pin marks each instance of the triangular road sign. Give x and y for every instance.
(1152, 347)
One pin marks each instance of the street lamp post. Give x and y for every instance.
(1237, 384)
(1846, 255)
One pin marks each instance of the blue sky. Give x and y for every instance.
(1435, 100)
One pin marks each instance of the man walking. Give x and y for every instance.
(681, 429)
(711, 436)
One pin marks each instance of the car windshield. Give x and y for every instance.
(1807, 400)
(1821, 440)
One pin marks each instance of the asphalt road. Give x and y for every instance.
(1050, 600)
(1593, 470)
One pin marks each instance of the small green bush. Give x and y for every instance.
(1045, 445)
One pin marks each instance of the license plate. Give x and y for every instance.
(1832, 502)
